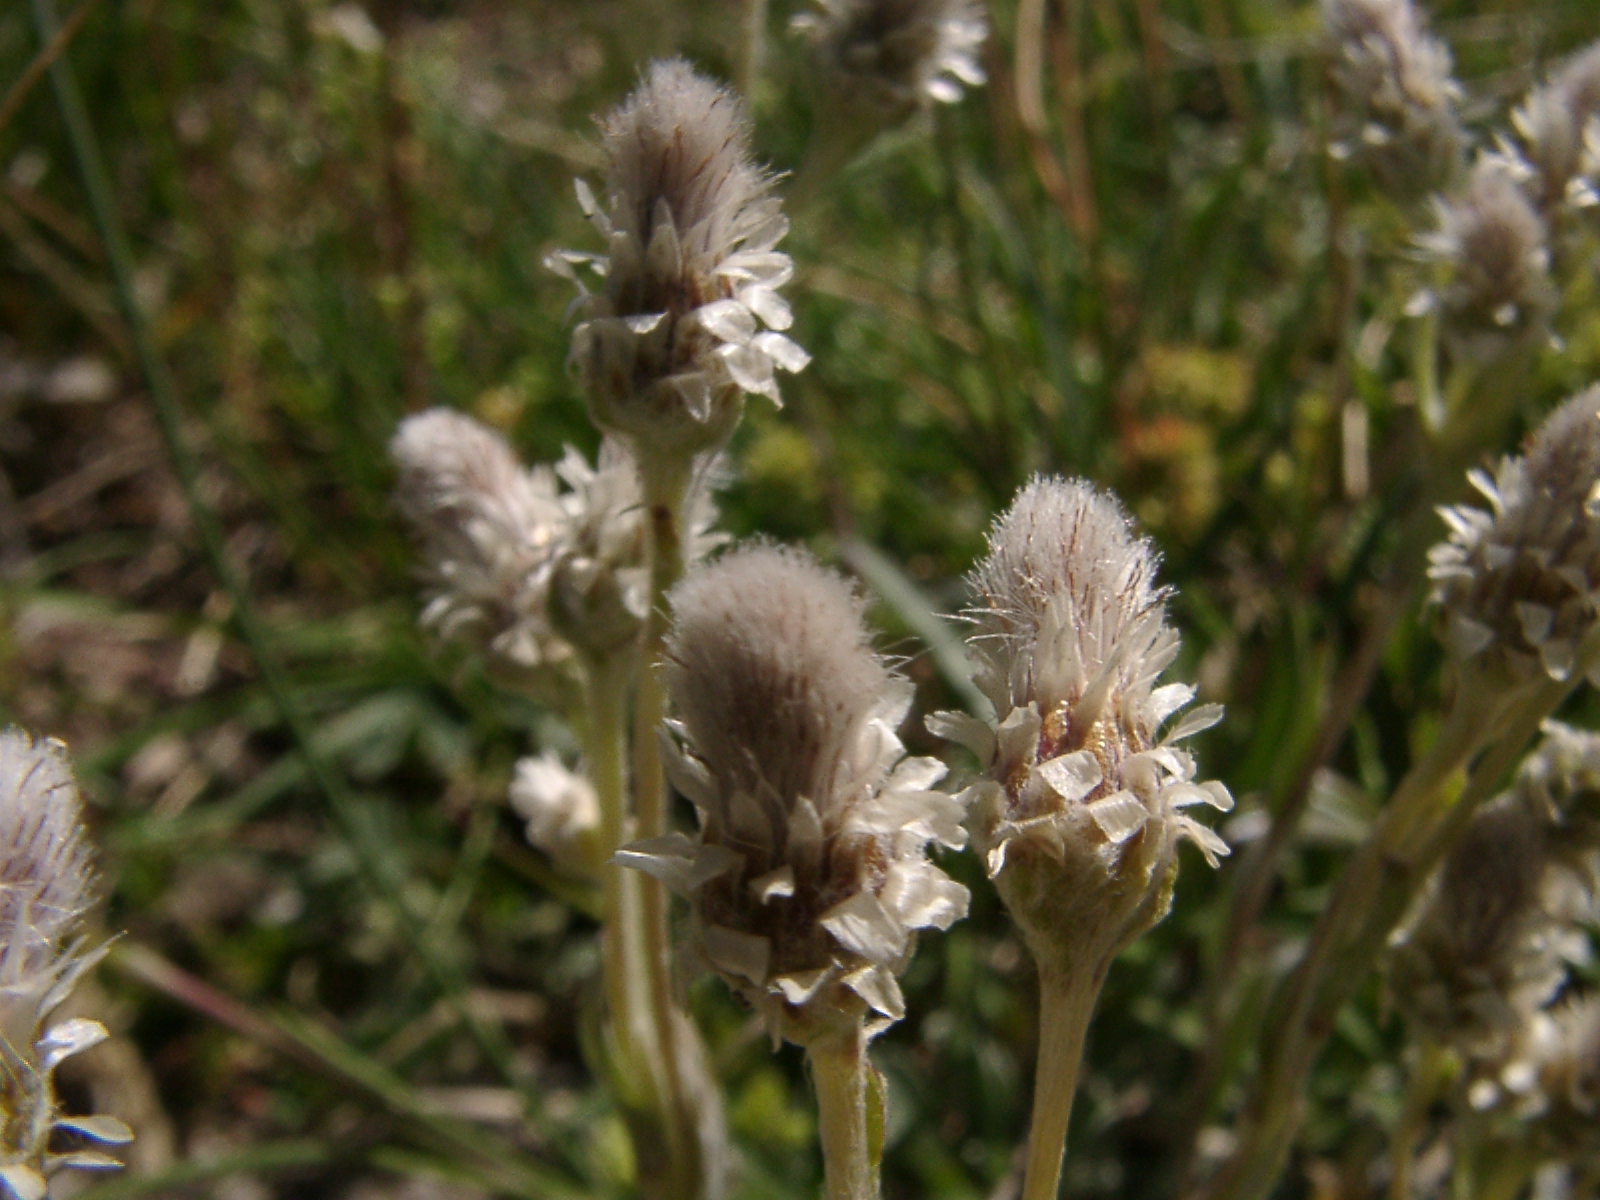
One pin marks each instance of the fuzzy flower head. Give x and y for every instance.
(1560, 137)
(890, 57)
(810, 876)
(1398, 93)
(1517, 586)
(1491, 242)
(1488, 945)
(673, 339)
(1085, 786)
(48, 886)
(488, 527)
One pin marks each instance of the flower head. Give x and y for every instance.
(1556, 122)
(488, 527)
(891, 56)
(1491, 240)
(562, 813)
(809, 876)
(1081, 806)
(1398, 92)
(673, 338)
(47, 888)
(1485, 948)
(1517, 585)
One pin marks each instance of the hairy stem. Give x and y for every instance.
(839, 1069)
(664, 501)
(1066, 1004)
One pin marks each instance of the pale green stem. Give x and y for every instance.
(1066, 1005)
(605, 755)
(1425, 371)
(664, 501)
(1429, 1073)
(755, 48)
(1493, 1169)
(839, 1070)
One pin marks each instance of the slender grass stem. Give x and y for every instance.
(839, 1070)
(1066, 1005)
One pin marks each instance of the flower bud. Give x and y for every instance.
(809, 877)
(1082, 804)
(673, 338)
(47, 888)
(1517, 585)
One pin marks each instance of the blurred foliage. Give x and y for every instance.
(339, 215)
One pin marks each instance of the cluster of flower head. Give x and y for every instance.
(45, 889)
(673, 338)
(1082, 802)
(809, 876)
(889, 57)
(533, 571)
(1398, 93)
(1518, 585)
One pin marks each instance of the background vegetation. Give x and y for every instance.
(1157, 279)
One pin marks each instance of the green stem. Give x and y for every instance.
(1066, 1005)
(605, 742)
(664, 495)
(1433, 1068)
(755, 49)
(839, 1069)
(377, 865)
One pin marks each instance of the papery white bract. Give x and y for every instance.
(809, 877)
(687, 316)
(45, 889)
(1517, 585)
(1085, 783)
